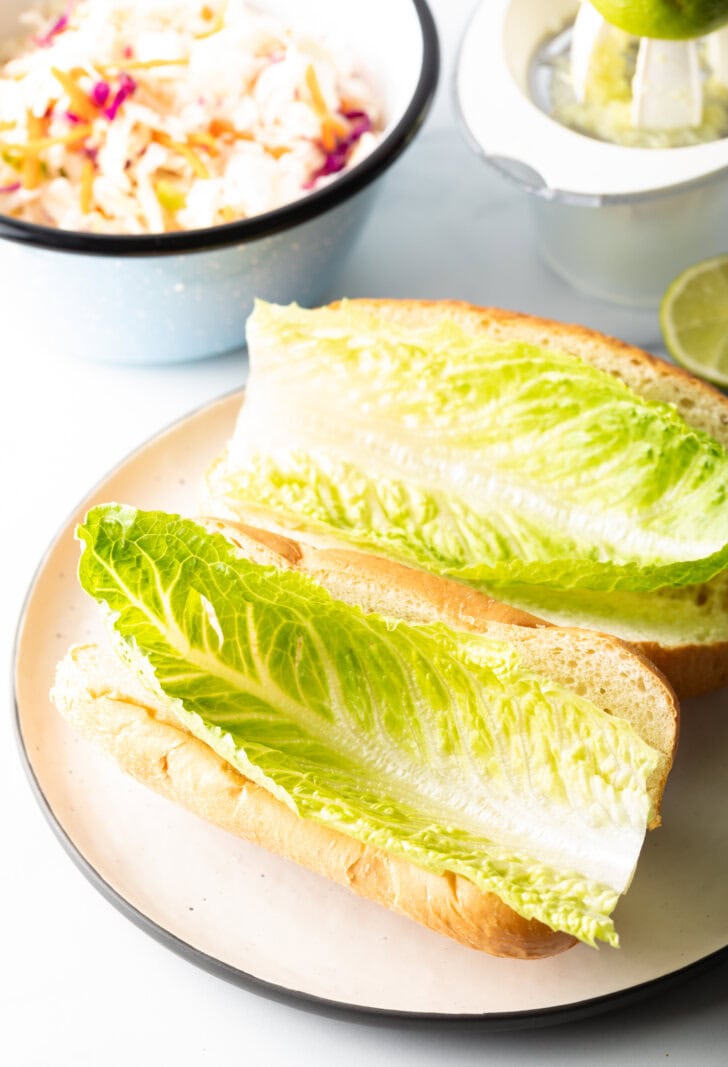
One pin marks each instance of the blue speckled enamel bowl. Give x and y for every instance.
(172, 297)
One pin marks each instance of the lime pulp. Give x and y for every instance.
(694, 319)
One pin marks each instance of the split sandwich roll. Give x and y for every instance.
(558, 470)
(435, 751)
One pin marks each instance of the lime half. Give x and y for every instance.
(694, 319)
(675, 19)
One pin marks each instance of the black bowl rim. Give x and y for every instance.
(271, 222)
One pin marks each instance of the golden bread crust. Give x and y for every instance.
(104, 702)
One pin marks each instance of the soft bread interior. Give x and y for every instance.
(105, 703)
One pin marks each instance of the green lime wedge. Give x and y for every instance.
(671, 19)
(694, 319)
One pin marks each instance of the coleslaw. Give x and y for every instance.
(149, 116)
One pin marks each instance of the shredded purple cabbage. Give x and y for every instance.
(74, 119)
(127, 86)
(12, 188)
(100, 93)
(336, 160)
(56, 27)
(358, 116)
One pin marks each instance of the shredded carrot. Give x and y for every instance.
(88, 173)
(183, 150)
(218, 24)
(220, 126)
(81, 105)
(204, 140)
(30, 170)
(30, 173)
(331, 127)
(223, 128)
(317, 97)
(39, 144)
(328, 135)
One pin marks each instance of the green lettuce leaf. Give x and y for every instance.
(485, 461)
(436, 745)
(674, 616)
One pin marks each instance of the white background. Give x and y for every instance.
(82, 986)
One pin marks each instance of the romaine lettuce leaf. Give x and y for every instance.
(485, 461)
(433, 744)
(682, 615)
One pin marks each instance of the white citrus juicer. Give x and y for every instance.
(618, 220)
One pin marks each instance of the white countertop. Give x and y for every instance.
(82, 986)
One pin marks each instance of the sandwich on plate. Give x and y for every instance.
(485, 774)
(414, 649)
(550, 467)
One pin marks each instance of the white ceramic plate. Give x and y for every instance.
(266, 923)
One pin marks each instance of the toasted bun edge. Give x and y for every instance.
(104, 703)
